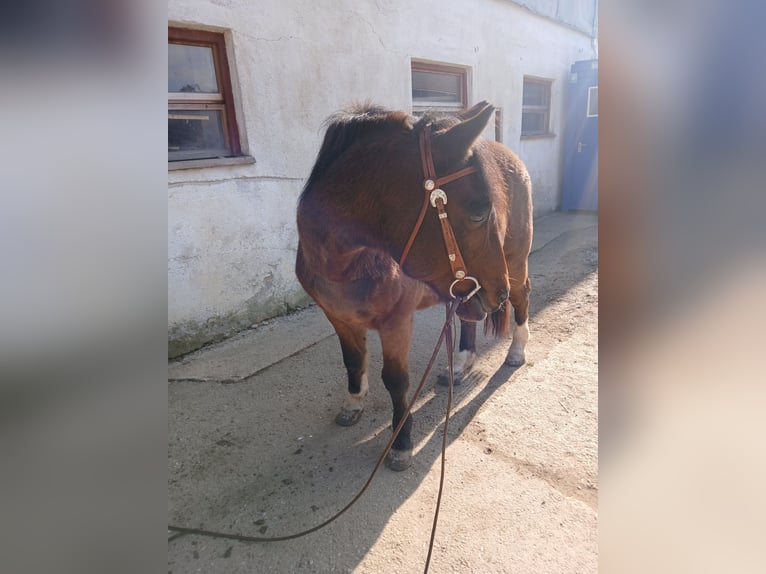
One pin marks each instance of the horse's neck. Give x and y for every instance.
(371, 214)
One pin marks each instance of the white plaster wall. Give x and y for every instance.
(231, 230)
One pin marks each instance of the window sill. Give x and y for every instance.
(210, 162)
(538, 136)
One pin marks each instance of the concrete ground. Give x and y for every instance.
(253, 447)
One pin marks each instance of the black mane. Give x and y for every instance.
(348, 126)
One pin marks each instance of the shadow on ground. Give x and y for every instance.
(263, 456)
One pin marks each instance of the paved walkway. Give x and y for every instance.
(253, 447)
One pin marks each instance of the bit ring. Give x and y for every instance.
(471, 294)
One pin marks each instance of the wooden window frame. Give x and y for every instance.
(447, 69)
(499, 125)
(538, 109)
(223, 100)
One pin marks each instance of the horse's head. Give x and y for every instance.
(477, 208)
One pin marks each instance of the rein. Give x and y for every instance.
(438, 199)
(446, 333)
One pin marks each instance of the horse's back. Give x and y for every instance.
(518, 185)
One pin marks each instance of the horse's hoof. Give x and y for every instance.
(515, 359)
(399, 460)
(463, 364)
(348, 417)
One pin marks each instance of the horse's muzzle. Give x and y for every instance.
(472, 310)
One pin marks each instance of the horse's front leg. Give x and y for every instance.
(520, 300)
(467, 350)
(353, 344)
(466, 356)
(395, 338)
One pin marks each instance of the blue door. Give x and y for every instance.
(581, 143)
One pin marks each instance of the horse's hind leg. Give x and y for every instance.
(519, 297)
(395, 339)
(353, 343)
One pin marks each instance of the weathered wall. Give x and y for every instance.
(231, 230)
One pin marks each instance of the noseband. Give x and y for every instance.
(438, 199)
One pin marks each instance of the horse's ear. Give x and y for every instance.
(451, 146)
(473, 111)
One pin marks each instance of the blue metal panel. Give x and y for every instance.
(581, 143)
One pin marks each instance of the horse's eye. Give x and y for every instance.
(479, 216)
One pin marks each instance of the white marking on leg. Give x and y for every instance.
(516, 354)
(355, 402)
(463, 363)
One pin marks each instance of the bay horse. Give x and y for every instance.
(370, 255)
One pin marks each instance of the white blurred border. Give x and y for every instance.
(83, 292)
(683, 254)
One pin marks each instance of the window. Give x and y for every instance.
(201, 120)
(592, 102)
(536, 107)
(438, 87)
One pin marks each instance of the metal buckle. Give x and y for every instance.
(471, 294)
(438, 194)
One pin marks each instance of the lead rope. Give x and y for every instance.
(446, 332)
(450, 351)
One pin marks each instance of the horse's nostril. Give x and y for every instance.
(502, 296)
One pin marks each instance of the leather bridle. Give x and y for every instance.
(438, 199)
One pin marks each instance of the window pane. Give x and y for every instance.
(593, 101)
(191, 69)
(535, 94)
(435, 87)
(533, 123)
(196, 133)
